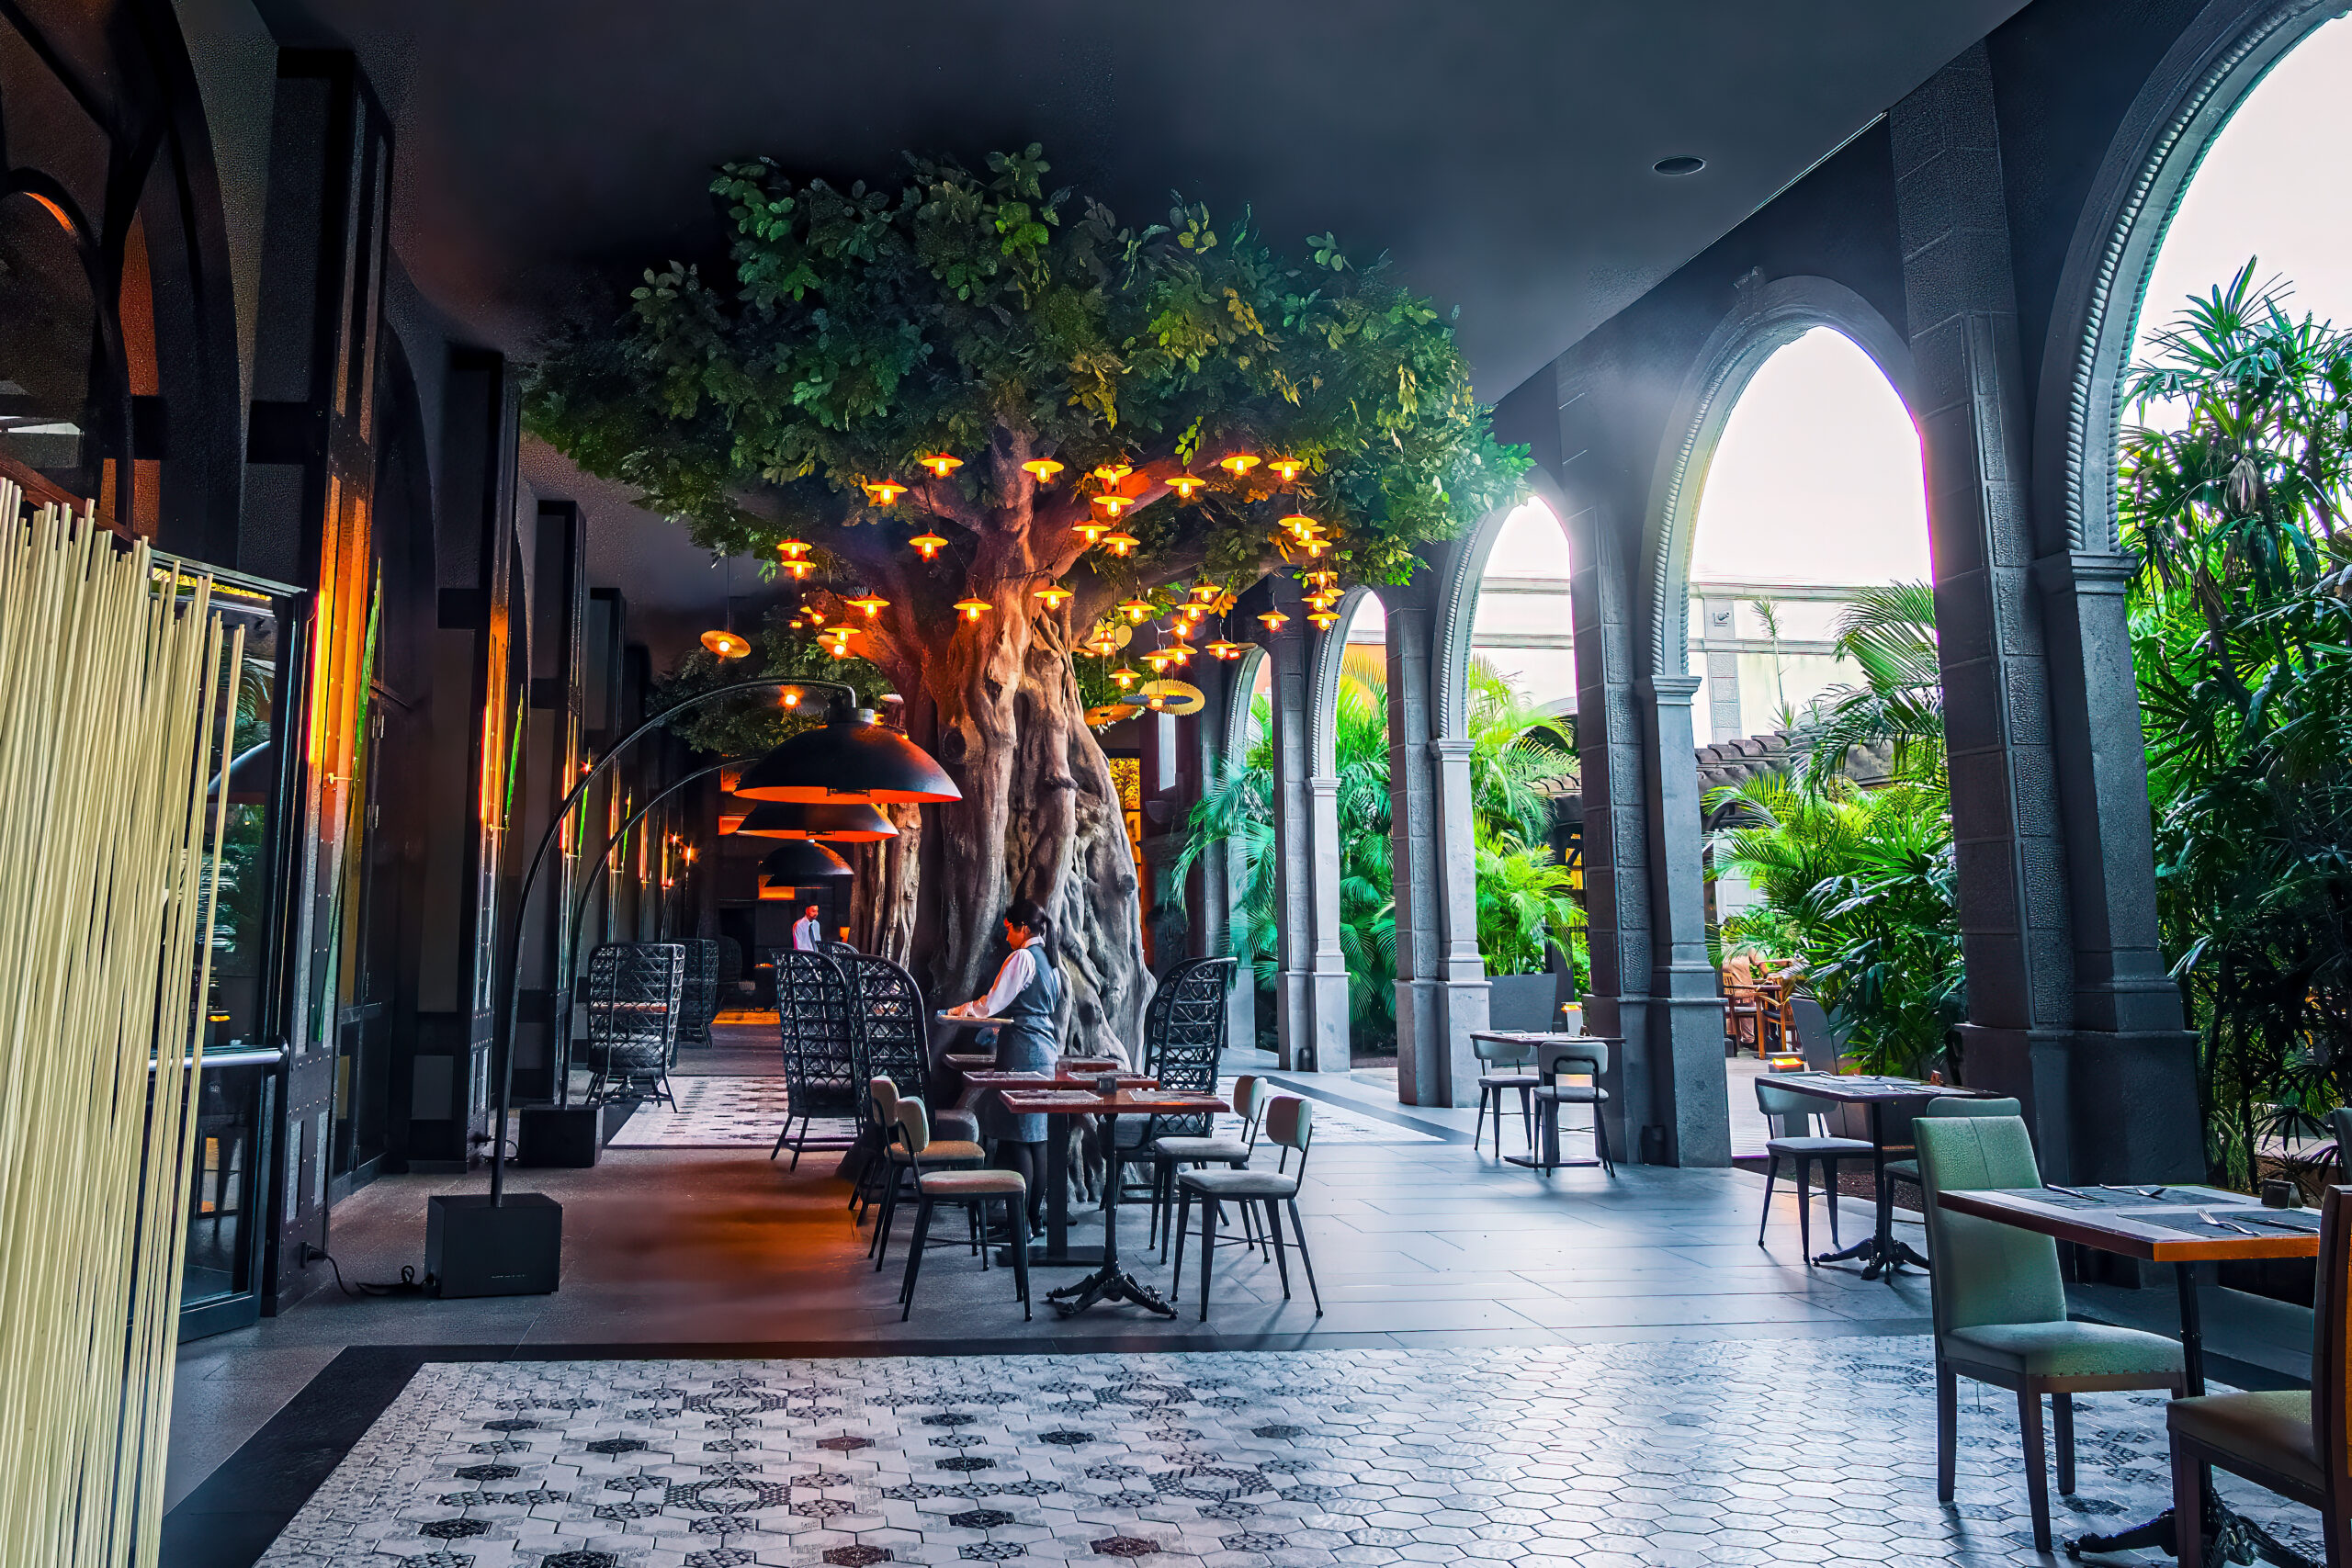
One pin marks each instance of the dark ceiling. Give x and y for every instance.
(1500, 152)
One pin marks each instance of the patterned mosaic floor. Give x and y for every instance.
(722, 1113)
(1679, 1454)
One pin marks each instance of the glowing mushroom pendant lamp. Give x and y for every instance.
(850, 756)
(836, 822)
(798, 861)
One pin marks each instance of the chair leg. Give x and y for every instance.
(796, 1147)
(1016, 1226)
(1946, 1429)
(1298, 1237)
(2336, 1535)
(782, 1132)
(1830, 1196)
(2062, 1420)
(1526, 1118)
(1805, 1210)
(1479, 1127)
(1208, 1250)
(1184, 1226)
(914, 1258)
(2036, 1460)
(1772, 1174)
(889, 1214)
(1274, 1239)
(2189, 1511)
(1601, 1141)
(1167, 1207)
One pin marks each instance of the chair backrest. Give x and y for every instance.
(2332, 1341)
(1290, 1124)
(914, 1122)
(1961, 1105)
(699, 1000)
(1586, 1057)
(890, 1033)
(814, 1023)
(1985, 1272)
(885, 1096)
(632, 1004)
(2339, 1122)
(1500, 1053)
(1183, 1037)
(1787, 1113)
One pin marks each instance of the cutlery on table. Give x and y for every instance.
(2053, 1187)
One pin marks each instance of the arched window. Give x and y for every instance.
(1812, 494)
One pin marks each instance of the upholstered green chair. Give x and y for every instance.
(2294, 1442)
(2000, 1308)
(1945, 1105)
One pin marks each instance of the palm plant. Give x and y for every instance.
(1889, 633)
(2234, 495)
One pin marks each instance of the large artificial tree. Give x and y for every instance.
(997, 330)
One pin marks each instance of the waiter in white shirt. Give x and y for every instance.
(808, 936)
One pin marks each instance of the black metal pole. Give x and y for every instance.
(511, 960)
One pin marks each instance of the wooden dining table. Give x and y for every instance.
(1880, 1252)
(2164, 1224)
(1109, 1282)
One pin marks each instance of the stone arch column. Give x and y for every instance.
(2110, 1077)
(1225, 739)
(1674, 1042)
(1311, 980)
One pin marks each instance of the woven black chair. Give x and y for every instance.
(698, 1004)
(817, 1028)
(632, 1004)
(1183, 1044)
(891, 1040)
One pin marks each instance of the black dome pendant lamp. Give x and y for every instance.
(850, 757)
(794, 864)
(839, 822)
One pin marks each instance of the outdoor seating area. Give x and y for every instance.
(831, 786)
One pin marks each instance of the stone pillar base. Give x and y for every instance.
(2103, 1106)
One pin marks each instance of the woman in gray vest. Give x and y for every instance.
(1027, 992)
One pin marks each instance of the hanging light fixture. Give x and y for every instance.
(793, 550)
(799, 569)
(1126, 677)
(1054, 595)
(1239, 463)
(929, 544)
(838, 822)
(882, 492)
(1113, 504)
(1102, 647)
(1112, 473)
(849, 756)
(1274, 619)
(1221, 648)
(726, 645)
(868, 602)
(1299, 524)
(1205, 592)
(939, 464)
(1314, 548)
(973, 608)
(1042, 469)
(1090, 530)
(1324, 619)
(1158, 659)
(1288, 467)
(1185, 485)
(1119, 543)
(796, 862)
(1136, 610)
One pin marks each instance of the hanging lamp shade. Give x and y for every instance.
(793, 863)
(849, 756)
(836, 822)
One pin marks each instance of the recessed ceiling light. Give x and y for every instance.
(1683, 166)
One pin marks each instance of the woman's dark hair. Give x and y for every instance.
(1027, 914)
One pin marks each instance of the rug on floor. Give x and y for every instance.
(724, 1113)
(1818, 1451)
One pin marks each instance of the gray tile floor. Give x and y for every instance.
(1603, 1456)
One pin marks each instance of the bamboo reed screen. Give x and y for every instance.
(109, 671)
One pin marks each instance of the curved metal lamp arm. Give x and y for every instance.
(511, 958)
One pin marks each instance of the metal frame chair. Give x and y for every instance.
(698, 1002)
(816, 1029)
(1794, 1113)
(976, 1190)
(1183, 1043)
(891, 1039)
(632, 995)
(895, 1162)
(1290, 1124)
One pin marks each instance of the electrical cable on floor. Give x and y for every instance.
(408, 1283)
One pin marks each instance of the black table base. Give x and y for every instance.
(1879, 1256)
(1109, 1282)
(2229, 1537)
